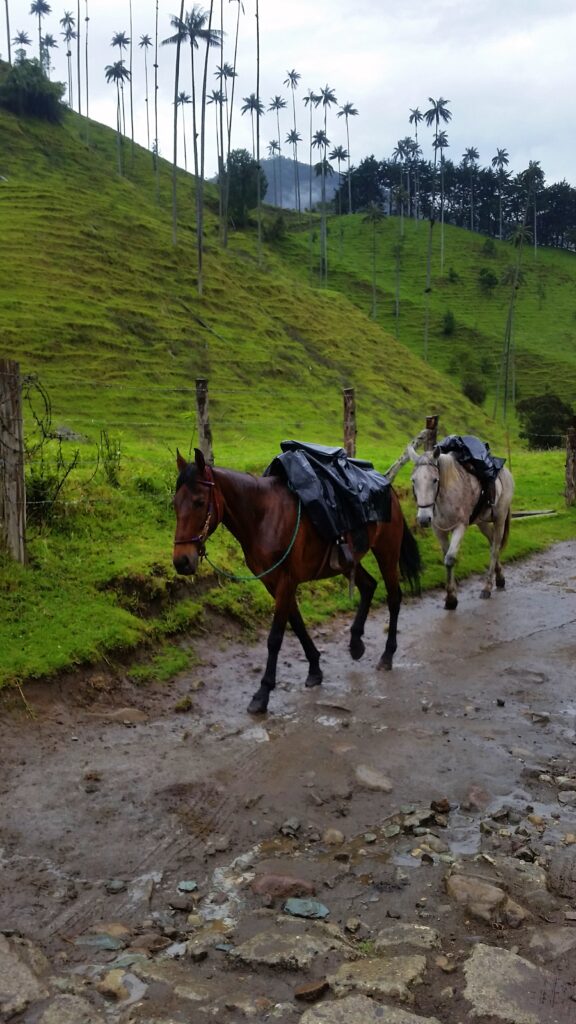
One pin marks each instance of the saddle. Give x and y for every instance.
(341, 495)
(476, 458)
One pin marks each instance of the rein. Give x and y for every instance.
(252, 577)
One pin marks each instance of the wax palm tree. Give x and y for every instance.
(321, 142)
(252, 106)
(121, 40)
(131, 68)
(291, 81)
(273, 149)
(78, 61)
(183, 101)
(277, 103)
(230, 112)
(21, 40)
(441, 143)
(218, 99)
(67, 22)
(470, 160)
(8, 31)
(40, 8)
(258, 175)
(339, 154)
(437, 112)
(155, 153)
(416, 117)
(180, 37)
(400, 155)
(145, 44)
(223, 72)
(500, 162)
(86, 63)
(118, 74)
(311, 100)
(348, 110)
(48, 44)
(374, 216)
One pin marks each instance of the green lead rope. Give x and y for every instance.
(251, 578)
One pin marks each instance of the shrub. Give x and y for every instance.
(489, 247)
(448, 323)
(27, 91)
(453, 276)
(487, 281)
(544, 420)
(475, 389)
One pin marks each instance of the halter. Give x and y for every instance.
(430, 461)
(214, 506)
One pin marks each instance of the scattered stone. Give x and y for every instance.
(22, 968)
(187, 886)
(507, 988)
(181, 902)
(311, 990)
(540, 717)
(107, 943)
(177, 976)
(353, 925)
(387, 977)
(389, 831)
(372, 779)
(567, 797)
(441, 806)
(67, 1009)
(479, 898)
(562, 872)
(526, 882)
(554, 941)
(333, 837)
(477, 799)
(361, 1010)
(115, 886)
(290, 827)
(282, 886)
(287, 946)
(112, 985)
(419, 936)
(446, 965)
(305, 908)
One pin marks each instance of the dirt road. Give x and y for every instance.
(111, 799)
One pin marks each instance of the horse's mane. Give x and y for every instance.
(449, 469)
(187, 476)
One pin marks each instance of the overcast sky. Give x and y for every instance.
(506, 66)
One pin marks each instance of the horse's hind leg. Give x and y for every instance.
(391, 579)
(494, 533)
(366, 585)
(308, 646)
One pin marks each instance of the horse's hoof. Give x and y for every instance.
(485, 594)
(258, 705)
(385, 663)
(449, 561)
(451, 603)
(500, 583)
(357, 648)
(314, 680)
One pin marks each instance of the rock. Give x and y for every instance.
(552, 942)
(70, 1010)
(22, 971)
(505, 987)
(311, 990)
(187, 886)
(115, 886)
(184, 705)
(128, 716)
(562, 872)
(150, 942)
(290, 827)
(107, 943)
(567, 797)
(372, 779)
(333, 837)
(282, 886)
(526, 882)
(178, 976)
(305, 908)
(479, 898)
(361, 1010)
(476, 799)
(387, 977)
(420, 936)
(112, 985)
(181, 902)
(287, 945)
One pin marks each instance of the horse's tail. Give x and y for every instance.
(410, 561)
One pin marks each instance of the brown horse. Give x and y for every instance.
(282, 547)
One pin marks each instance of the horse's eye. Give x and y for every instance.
(198, 502)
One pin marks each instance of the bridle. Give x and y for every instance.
(215, 512)
(430, 462)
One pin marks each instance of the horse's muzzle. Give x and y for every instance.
(186, 565)
(424, 517)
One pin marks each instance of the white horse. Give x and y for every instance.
(446, 496)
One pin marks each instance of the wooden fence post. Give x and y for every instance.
(12, 483)
(571, 463)
(203, 420)
(349, 422)
(431, 432)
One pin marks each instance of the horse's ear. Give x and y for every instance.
(437, 451)
(199, 460)
(180, 461)
(412, 453)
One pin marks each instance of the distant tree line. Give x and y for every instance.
(489, 200)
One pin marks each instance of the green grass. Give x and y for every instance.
(99, 305)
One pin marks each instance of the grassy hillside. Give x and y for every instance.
(102, 308)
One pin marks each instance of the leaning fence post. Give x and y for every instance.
(349, 422)
(203, 420)
(431, 432)
(12, 483)
(571, 463)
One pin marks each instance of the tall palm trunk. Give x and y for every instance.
(279, 157)
(349, 171)
(8, 36)
(86, 20)
(118, 128)
(441, 213)
(78, 61)
(131, 85)
(230, 113)
(258, 185)
(40, 51)
(429, 259)
(200, 185)
(155, 160)
(184, 138)
(220, 143)
(175, 157)
(194, 129)
(310, 245)
(296, 171)
(146, 88)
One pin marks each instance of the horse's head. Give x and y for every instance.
(198, 512)
(425, 483)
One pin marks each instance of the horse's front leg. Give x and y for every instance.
(284, 596)
(308, 646)
(391, 579)
(451, 600)
(366, 585)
